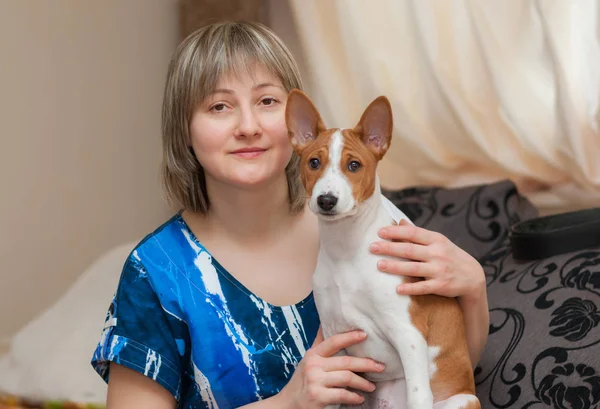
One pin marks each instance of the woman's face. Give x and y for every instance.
(239, 134)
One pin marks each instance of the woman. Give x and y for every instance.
(214, 308)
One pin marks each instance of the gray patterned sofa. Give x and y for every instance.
(543, 349)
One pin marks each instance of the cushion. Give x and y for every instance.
(476, 218)
(544, 344)
(58, 369)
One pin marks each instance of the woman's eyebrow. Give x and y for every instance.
(257, 86)
(222, 91)
(266, 84)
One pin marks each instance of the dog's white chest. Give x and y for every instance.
(353, 294)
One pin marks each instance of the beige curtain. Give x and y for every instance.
(481, 90)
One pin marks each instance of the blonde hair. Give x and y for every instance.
(196, 67)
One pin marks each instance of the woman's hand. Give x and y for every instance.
(446, 269)
(321, 378)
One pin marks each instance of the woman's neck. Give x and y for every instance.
(247, 215)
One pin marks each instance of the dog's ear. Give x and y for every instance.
(375, 126)
(303, 120)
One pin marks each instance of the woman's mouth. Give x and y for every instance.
(248, 153)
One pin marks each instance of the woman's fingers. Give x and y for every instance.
(407, 268)
(336, 343)
(419, 288)
(348, 379)
(354, 364)
(408, 232)
(337, 396)
(330, 377)
(405, 250)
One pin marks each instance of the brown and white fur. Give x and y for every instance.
(420, 339)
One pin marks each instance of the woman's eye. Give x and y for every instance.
(353, 166)
(314, 163)
(268, 101)
(218, 107)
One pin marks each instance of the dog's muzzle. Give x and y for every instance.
(327, 202)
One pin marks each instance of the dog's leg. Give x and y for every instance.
(462, 401)
(414, 354)
(392, 395)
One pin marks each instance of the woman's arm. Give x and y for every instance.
(477, 321)
(128, 389)
(321, 379)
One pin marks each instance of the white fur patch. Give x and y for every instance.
(433, 354)
(333, 180)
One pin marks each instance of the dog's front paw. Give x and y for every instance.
(420, 400)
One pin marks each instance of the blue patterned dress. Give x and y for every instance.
(181, 319)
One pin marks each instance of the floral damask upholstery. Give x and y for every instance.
(543, 349)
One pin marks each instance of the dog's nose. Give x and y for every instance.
(327, 201)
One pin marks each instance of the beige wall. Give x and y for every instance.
(80, 94)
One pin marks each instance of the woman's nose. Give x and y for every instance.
(249, 124)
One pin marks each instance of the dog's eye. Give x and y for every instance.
(353, 166)
(314, 163)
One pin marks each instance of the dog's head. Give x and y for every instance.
(338, 166)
